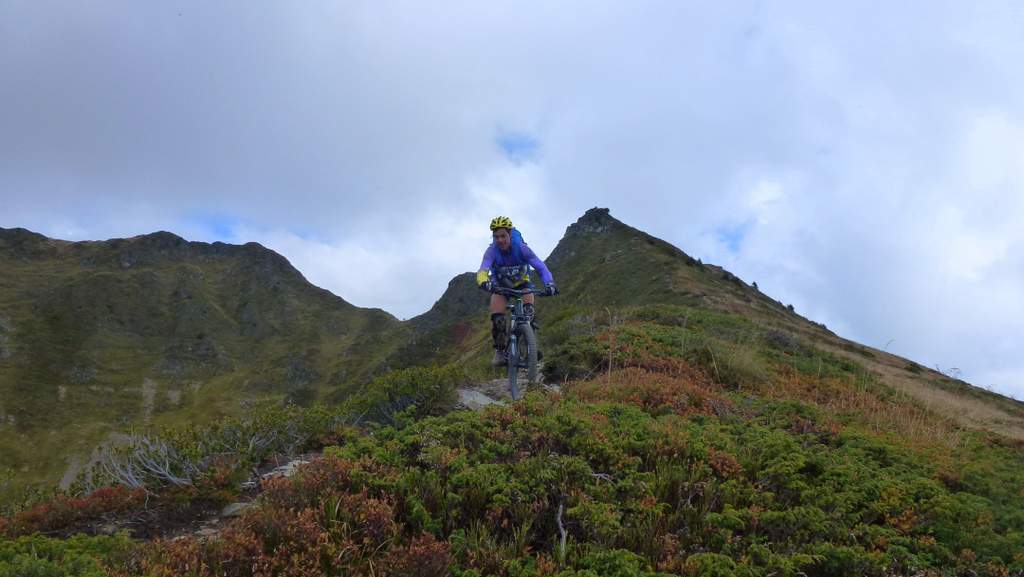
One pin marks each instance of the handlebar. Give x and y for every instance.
(519, 292)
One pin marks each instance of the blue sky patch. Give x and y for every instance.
(219, 226)
(519, 147)
(732, 236)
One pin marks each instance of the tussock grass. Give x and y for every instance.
(897, 414)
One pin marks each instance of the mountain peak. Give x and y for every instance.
(594, 221)
(25, 243)
(161, 238)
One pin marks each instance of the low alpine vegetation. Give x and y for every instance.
(682, 442)
(632, 473)
(191, 464)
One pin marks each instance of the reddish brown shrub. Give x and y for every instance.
(172, 558)
(904, 521)
(361, 519)
(271, 542)
(684, 391)
(65, 512)
(424, 556)
(312, 481)
(724, 464)
(299, 546)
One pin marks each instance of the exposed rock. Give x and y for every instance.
(234, 509)
(475, 400)
(594, 221)
(286, 470)
(81, 375)
(207, 532)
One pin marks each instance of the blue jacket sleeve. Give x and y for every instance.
(489, 257)
(532, 258)
(485, 265)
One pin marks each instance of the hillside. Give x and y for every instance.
(99, 336)
(691, 425)
(603, 265)
(96, 337)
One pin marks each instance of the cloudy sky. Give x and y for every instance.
(864, 162)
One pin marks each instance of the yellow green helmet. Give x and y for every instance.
(501, 222)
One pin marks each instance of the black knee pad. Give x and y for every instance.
(498, 330)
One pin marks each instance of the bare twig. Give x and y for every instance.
(611, 342)
(561, 529)
(714, 363)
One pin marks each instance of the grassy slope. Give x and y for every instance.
(662, 467)
(214, 327)
(601, 264)
(105, 335)
(703, 429)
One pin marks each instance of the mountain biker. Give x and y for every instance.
(507, 263)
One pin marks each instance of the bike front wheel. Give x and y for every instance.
(522, 354)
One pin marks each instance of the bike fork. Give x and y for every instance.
(512, 350)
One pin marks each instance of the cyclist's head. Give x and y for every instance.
(501, 222)
(501, 228)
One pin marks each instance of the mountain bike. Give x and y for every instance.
(520, 340)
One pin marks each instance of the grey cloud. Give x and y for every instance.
(364, 126)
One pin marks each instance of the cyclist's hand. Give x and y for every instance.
(487, 285)
(551, 289)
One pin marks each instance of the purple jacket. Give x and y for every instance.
(530, 257)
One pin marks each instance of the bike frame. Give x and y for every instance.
(518, 316)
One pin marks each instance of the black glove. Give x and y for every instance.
(487, 285)
(551, 289)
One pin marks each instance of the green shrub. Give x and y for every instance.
(77, 556)
(415, 392)
(612, 563)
